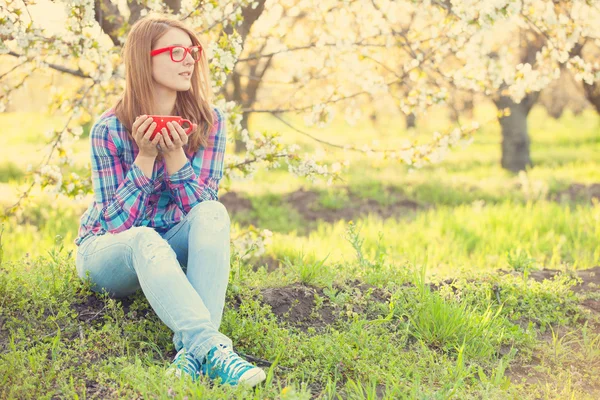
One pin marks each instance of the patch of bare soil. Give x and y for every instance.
(529, 374)
(577, 191)
(540, 371)
(97, 390)
(235, 203)
(92, 309)
(90, 312)
(271, 263)
(593, 305)
(590, 277)
(296, 304)
(306, 202)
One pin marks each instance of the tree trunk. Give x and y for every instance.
(515, 137)
(411, 120)
(515, 140)
(592, 93)
(469, 107)
(254, 70)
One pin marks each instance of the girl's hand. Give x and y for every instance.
(142, 129)
(180, 138)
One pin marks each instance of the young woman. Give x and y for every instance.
(156, 223)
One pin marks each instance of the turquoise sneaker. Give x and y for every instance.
(222, 362)
(184, 364)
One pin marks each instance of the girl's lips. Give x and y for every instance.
(186, 76)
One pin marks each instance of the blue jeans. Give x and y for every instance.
(183, 273)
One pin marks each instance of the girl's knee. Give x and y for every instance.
(150, 245)
(211, 214)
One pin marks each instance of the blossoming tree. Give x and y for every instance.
(411, 53)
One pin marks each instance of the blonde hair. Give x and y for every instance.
(138, 97)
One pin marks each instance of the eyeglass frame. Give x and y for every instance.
(170, 49)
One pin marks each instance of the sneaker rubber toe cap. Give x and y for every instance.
(253, 377)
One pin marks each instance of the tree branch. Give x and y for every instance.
(60, 68)
(109, 18)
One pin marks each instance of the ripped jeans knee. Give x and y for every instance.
(211, 215)
(151, 246)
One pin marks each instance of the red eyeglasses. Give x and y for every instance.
(178, 53)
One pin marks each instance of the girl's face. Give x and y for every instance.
(166, 72)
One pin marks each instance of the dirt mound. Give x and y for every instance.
(593, 305)
(307, 204)
(268, 260)
(590, 277)
(577, 192)
(235, 203)
(92, 308)
(296, 304)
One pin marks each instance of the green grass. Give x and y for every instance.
(467, 236)
(486, 335)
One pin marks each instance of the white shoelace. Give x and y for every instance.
(229, 359)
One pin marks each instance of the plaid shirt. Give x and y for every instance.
(124, 196)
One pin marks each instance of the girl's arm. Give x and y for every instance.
(121, 196)
(187, 187)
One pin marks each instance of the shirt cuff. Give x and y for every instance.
(140, 180)
(185, 173)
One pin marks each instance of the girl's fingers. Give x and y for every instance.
(181, 133)
(149, 132)
(157, 139)
(141, 123)
(177, 127)
(147, 125)
(167, 139)
(173, 127)
(148, 128)
(183, 136)
(136, 124)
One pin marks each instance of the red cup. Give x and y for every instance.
(161, 122)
